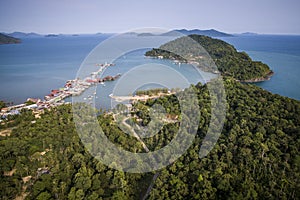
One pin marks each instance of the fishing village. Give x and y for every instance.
(56, 97)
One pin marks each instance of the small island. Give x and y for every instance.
(5, 39)
(51, 35)
(229, 62)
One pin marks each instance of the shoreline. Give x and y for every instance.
(267, 77)
(139, 97)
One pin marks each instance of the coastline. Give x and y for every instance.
(139, 97)
(71, 88)
(254, 80)
(257, 80)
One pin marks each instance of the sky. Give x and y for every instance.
(112, 16)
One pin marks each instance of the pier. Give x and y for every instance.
(56, 96)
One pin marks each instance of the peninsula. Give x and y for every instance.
(229, 62)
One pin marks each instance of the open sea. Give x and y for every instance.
(37, 65)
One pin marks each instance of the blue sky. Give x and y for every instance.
(91, 16)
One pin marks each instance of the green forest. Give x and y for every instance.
(256, 157)
(227, 59)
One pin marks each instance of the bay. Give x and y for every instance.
(37, 65)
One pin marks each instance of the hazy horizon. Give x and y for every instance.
(112, 16)
(100, 32)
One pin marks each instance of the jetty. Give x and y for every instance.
(56, 96)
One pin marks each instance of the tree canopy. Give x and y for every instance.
(257, 155)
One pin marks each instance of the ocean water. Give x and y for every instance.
(281, 53)
(37, 65)
(139, 72)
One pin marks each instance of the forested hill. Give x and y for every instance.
(5, 39)
(256, 157)
(228, 60)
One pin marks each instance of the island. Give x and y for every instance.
(228, 60)
(52, 35)
(5, 39)
(210, 33)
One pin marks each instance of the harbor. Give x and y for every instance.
(56, 97)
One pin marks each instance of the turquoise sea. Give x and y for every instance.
(37, 65)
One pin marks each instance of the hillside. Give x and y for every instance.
(228, 60)
(257, 155)
(5, 39)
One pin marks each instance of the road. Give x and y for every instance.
(147, 150)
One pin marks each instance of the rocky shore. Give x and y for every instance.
(261, 79)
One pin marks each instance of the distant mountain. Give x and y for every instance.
(130, 33)
(211, 33)
(5, 39)
(249, 33)
(23, 35)
(146, 34)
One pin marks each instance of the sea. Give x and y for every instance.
(37, 65)
(281, 53)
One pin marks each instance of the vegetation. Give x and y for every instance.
(5, 39)
(29, 102)
(151, 92)
(228, 61)
(257, 155)
(49, 155)
(2, 104)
